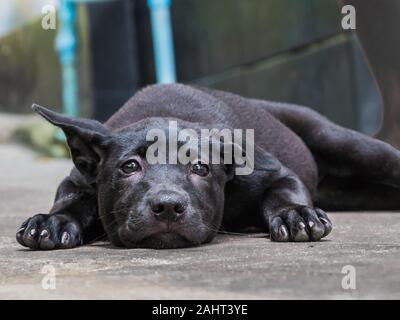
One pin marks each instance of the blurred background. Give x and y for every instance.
(96, 54)
(101, 52)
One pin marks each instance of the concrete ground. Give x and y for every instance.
(232, 267)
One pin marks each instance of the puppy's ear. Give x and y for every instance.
(239, 153)
(265, 161)
(252, 158)
(86, 140)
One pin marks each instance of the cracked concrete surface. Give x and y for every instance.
(231, 267)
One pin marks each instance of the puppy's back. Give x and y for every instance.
(208, 106)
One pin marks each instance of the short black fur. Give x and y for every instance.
(300, 158)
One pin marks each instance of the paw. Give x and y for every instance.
(47, 232)
(299, 224)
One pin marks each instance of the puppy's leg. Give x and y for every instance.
(351, 194)
(72, 221)
(289, 213)
(339, 151)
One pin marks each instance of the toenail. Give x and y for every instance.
(324, 220)
(65, 238)
(44, 233)
(282, 231)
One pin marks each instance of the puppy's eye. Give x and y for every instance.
(200, 169)
(130, 166)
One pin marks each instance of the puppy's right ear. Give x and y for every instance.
(86, 140)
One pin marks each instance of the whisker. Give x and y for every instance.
(104, 234)
(222, 231)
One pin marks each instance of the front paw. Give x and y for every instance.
(47, 232)
(299, 224)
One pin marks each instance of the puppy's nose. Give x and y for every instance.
(168, 206)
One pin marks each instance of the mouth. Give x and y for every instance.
(162, 235)
(164, 240)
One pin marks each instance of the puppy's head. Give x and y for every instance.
(158, 203)
(143, 203)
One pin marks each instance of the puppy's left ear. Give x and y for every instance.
(245, 160)
(252, 158)
(265, 161)
(242, 156)
(86, 140)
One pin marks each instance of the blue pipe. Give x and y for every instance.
(66, 43)
(162, 40)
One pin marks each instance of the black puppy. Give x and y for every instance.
(300, 158)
